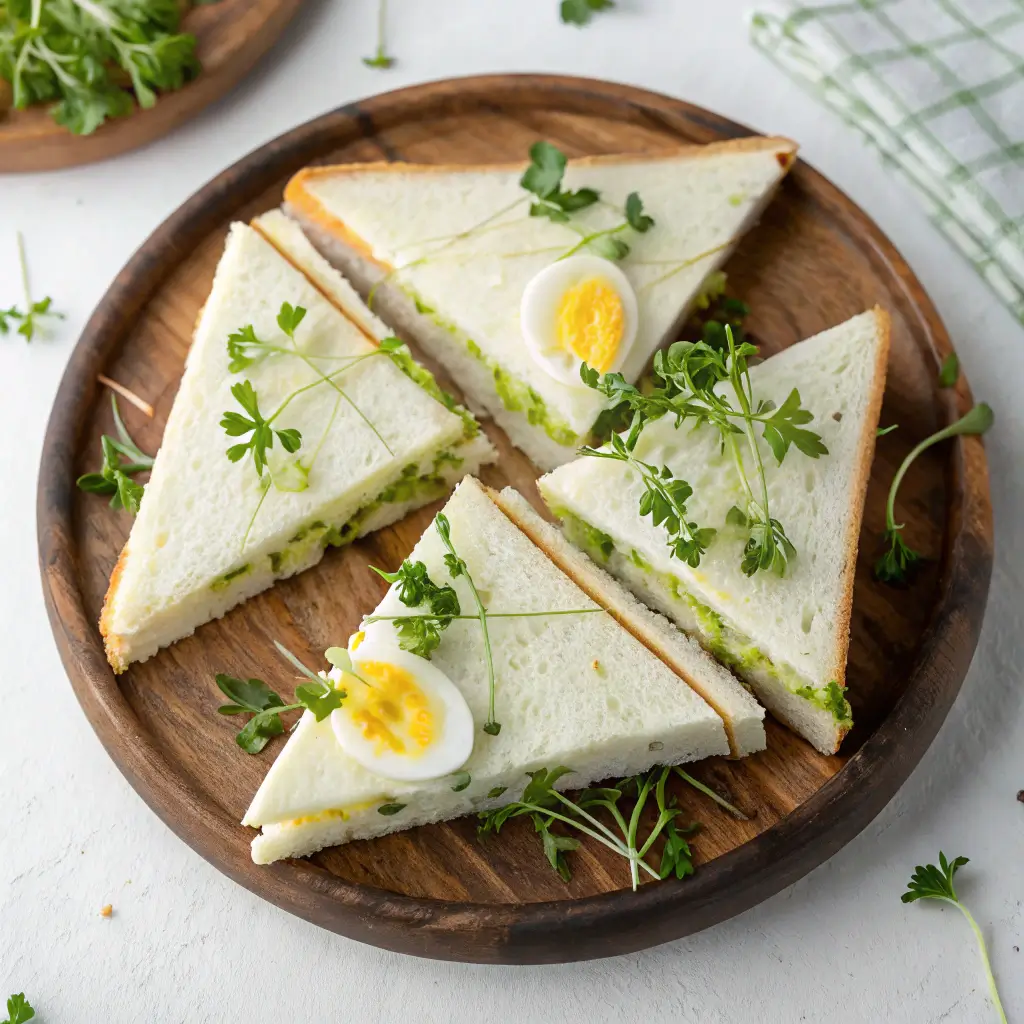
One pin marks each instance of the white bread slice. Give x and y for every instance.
(391, 228)
(575, 690)
(781, 635)
(184, 562)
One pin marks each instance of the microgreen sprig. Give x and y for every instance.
(543, 178)
(899, 560)
(421, 634)
(381, 58)
(936, 883)
(115, 476)
(457, 567)
(26, 319)
(689, 373)
(255, 697)
(606, 242)
(260, 429)
(545, 805)
(664, 498)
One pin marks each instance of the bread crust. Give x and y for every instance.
(858, 496)
(112, 643)
(298, 196)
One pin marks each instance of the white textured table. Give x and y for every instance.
(186, 944)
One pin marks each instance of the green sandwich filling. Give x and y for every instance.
(513, 393)
(730, 646)
(412, 485)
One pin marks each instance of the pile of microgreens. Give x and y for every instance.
(936, 883)
(28, 318)
(687, 376)
(421, 634)
(72, 52)
(246, 350)
(899, 560)
(115, 475)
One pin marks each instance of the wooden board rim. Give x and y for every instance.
(34, 142)
(556, 931)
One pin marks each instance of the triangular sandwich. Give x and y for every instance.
(600, 687)
(365, 437)
(511, 287)
(786, 636)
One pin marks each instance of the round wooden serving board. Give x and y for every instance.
(231, 36)
(437, 891)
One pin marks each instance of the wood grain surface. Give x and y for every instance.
(231, 36)
(814, 260)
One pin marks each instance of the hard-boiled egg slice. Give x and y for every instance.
(580, 309)
(403, 718)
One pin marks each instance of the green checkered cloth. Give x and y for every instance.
(938, 87)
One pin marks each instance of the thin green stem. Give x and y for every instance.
(263, 498)
(587, 239)
(686, 777)
(23, 264)
(589, 817)
(683, 265)
(984, 956)
(490, 615)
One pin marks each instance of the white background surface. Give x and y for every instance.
(186, 944)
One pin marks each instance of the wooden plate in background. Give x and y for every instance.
(814, 260)
(231, 36)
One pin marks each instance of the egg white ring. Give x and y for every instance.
(451, 749)
(538, 312)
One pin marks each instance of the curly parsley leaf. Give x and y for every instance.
(579, 12)
(260, 429)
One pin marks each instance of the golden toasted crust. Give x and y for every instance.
(592, 589)
(858, 494)
(111, 641)
(301, 199)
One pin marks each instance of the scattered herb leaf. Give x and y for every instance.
(27, 318)
(115, 475)
(461, 781)
(898, 561)
(18, 1009)
(579, 12)
(950, 371)
(929, 882)
(389, 809)
(380, 59)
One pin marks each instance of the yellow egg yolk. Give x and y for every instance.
(590, 322)
(394, 714)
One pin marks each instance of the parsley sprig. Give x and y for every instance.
(28, 318)
(545, 806)
(421, 634)
(255, 697)
(70, 52)
(929, 882)
(115, 476)
(19, 1009)
(899, 560)
(690, 374)
(543, 179)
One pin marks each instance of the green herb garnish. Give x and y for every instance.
(579, 12)
(543, 178)
(664, 498)
(882, 431)
(545, 805)
(262, 439)
(18, 1009)
(899, 560)
(115, 476)
(949, 372)
(689, 373)
(69, 51)
(936, 883)
(461, 781)
(380, 59)
(421, 634)
(26, 319)
(389, 809)
(255, 697)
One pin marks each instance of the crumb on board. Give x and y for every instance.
(595, 664)
(107, 911)
(1020, 796)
